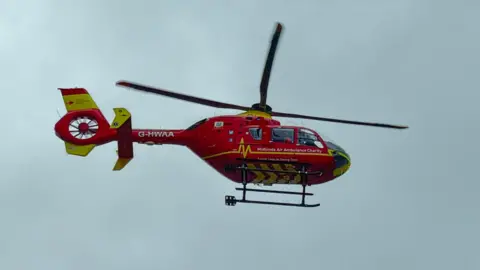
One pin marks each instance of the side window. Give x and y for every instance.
(308, 138)
(256, 133)
(284, 135)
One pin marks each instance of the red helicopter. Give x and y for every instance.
(248, 148)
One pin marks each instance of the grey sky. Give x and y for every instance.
(410, 200)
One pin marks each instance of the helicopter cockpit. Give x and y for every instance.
(304, 136)
(331, 144)
(308, 138)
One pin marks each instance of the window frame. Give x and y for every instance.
(313, 135)
(282, 128)
(256, 131)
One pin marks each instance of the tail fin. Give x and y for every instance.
(78, 150)
(84, 127)
(77, 99)
(123, 124)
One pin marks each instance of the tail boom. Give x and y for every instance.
(159, 136)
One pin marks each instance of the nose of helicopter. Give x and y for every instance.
(341, 158)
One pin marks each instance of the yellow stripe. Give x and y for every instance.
(221, 154)
(259, 176)
(256, 113)
(246, 149)
(266, 153)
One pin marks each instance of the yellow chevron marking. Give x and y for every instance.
(273, 176)
(291, 168)
(259, 176)
(283, 177)
(269, 178)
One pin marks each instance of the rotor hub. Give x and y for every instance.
(258, 107)
(83, 127)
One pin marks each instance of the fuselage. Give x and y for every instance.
(260, 142)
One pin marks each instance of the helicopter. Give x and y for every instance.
(246, 148)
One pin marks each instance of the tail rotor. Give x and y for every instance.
(83, 127)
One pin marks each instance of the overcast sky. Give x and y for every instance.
(410, 200)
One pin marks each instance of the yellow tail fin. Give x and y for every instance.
(77, 99)
(121, 163)
(79, 150)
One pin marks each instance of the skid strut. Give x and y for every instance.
(232, 201)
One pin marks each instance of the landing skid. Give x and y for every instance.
(232, 201)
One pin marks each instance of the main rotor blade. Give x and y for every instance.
(183, 97)
(291, 115)
(268, 65)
